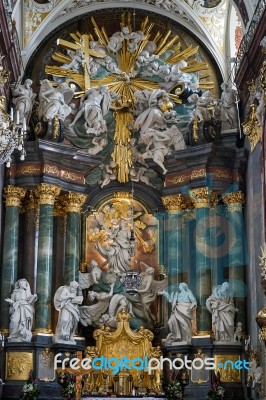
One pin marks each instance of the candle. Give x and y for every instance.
(17, 122)
(11, 114)
(24, 124)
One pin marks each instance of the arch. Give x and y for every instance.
(191, 23)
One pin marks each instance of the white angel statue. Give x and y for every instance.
(149, 289)
(54, 101)
(86, 280)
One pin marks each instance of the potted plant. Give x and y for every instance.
(174, 388)
(30, 390)
(217, 391)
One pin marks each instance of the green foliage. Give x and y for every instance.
(30, 389)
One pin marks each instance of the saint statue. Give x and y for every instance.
(23, 99)
(183, 306)
(66, 301)
(221, 306)
(21, 311)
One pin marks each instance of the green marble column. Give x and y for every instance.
(237, 251)
(175, 205)
(31, 234)
(46, 194)
(201, 198)
(73, 203)
(218, 243)
(13, 196)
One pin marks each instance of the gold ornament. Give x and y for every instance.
(18, 365)
(251, 128)
(47, 193)
(201, 197)
(176, 202)
(13, 196)
(73, 201)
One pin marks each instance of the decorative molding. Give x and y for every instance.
(47, 193)
(176, 202)
(73, 201)
(13, 196)
(18, 365)
(251, 128)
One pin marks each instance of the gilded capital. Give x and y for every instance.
(73, 201)
(47, 193)
(234, 201)
(201, 197)
(177, 202)
(13, 196)
(31, 200)
(59, 207)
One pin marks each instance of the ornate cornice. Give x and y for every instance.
(201, 197)
(47, 193)
(13, 196)
(177, 202)
(73, 201)
(234, 201)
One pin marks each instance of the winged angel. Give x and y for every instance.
(54, 101)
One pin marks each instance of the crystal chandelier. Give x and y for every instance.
(12, 133)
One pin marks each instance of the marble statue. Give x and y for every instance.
(88, 279)
(109, 173)
(238, 332)
(220, 305)
(94, 105)
(226, 109)
(149, 289)
(76, 60)
(23, 99)
(54, 101)
(21, 312)
(153, 116)
(159, 144)
(260, 110)
(116, 248)
(138, 175)
(200, 105)
(99, 143)
(183, 306)
(67, 301)
(255, 372)
(90, 315)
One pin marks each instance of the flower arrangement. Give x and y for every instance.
(217, 391)
(30, 390)
(174, 388)
(68, 386)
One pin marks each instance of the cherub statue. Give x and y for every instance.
(21, 311)
(109, 173)
(238, 332)
(149, 289)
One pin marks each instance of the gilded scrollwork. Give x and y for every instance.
(251, 128)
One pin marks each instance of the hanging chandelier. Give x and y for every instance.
(12, 132)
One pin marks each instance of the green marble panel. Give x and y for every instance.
(72, 255)
(10, 260)
(44, 268)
